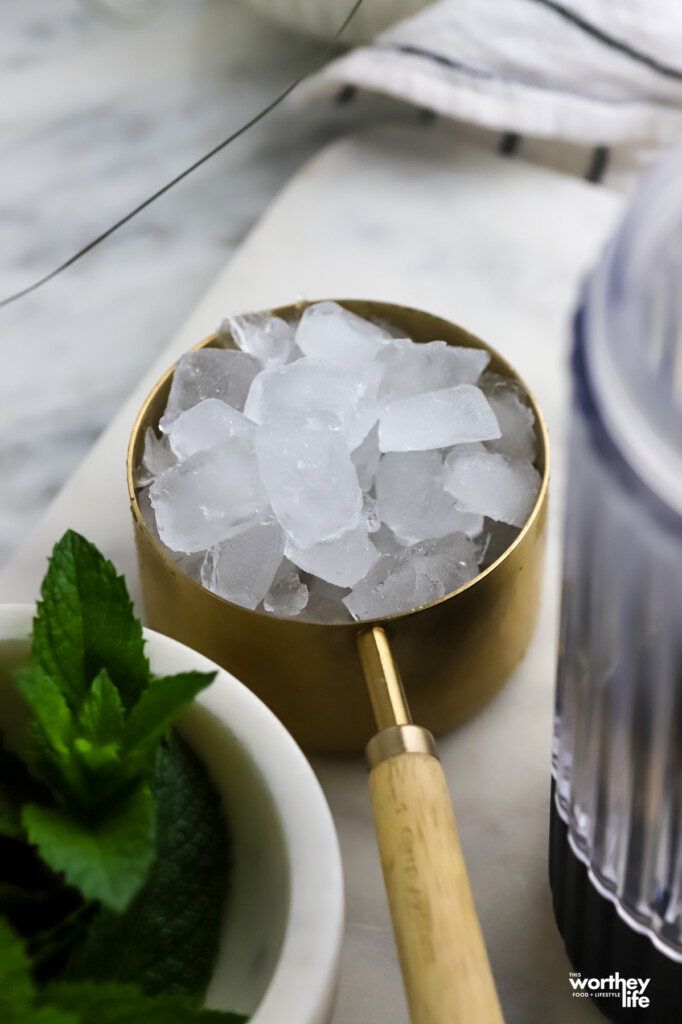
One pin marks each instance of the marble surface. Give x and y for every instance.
(94, 118)
(418, 217)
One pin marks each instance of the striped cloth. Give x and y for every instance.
(593, 87)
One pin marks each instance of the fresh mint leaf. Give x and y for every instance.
(17, 993)
(85, 622)
(101, 717)
(15, 977)
(17, 787)
(156, 709)
(52, 715)
(108, 856)
(76, 752)
(98, 718)
(99, 730)
(125, 1004)
(167, 939)
(51, 731)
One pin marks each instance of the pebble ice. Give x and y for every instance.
(328, 470)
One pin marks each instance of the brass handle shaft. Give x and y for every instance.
(383, 680)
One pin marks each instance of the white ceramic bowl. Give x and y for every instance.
(281, 942)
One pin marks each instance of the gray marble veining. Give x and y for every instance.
(94, 117)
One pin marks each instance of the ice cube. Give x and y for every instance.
(412, 500)
(328, 331)
(413, 369)
(342, 561)
(392, 585)
(189, 564)
(157, 457)
(210, 373)
(311, 385)
(437, 419)
(370, 513)
(268, 338)
(385, 541)
(413, 577)
(449, 562)
(242, 568)
(366, 459)
(493, 485)
(509, 402)
(339, 440)
(310, 479)
(468, 446)
(147, 511)
(288, 595)
(209, 497)
(325, 602)
(204, 425)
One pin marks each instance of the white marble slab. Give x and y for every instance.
(93, 118)
(418, 218)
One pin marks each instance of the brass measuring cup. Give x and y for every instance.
(454, 655)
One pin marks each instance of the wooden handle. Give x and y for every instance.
(442, 954)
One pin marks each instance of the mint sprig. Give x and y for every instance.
(98, 718)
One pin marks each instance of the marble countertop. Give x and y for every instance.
(98, 117)
(94, 118)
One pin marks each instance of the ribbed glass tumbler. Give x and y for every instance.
(616, 831)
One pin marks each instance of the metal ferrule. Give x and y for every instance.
(399, 739)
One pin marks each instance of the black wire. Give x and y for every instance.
(193, 167)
